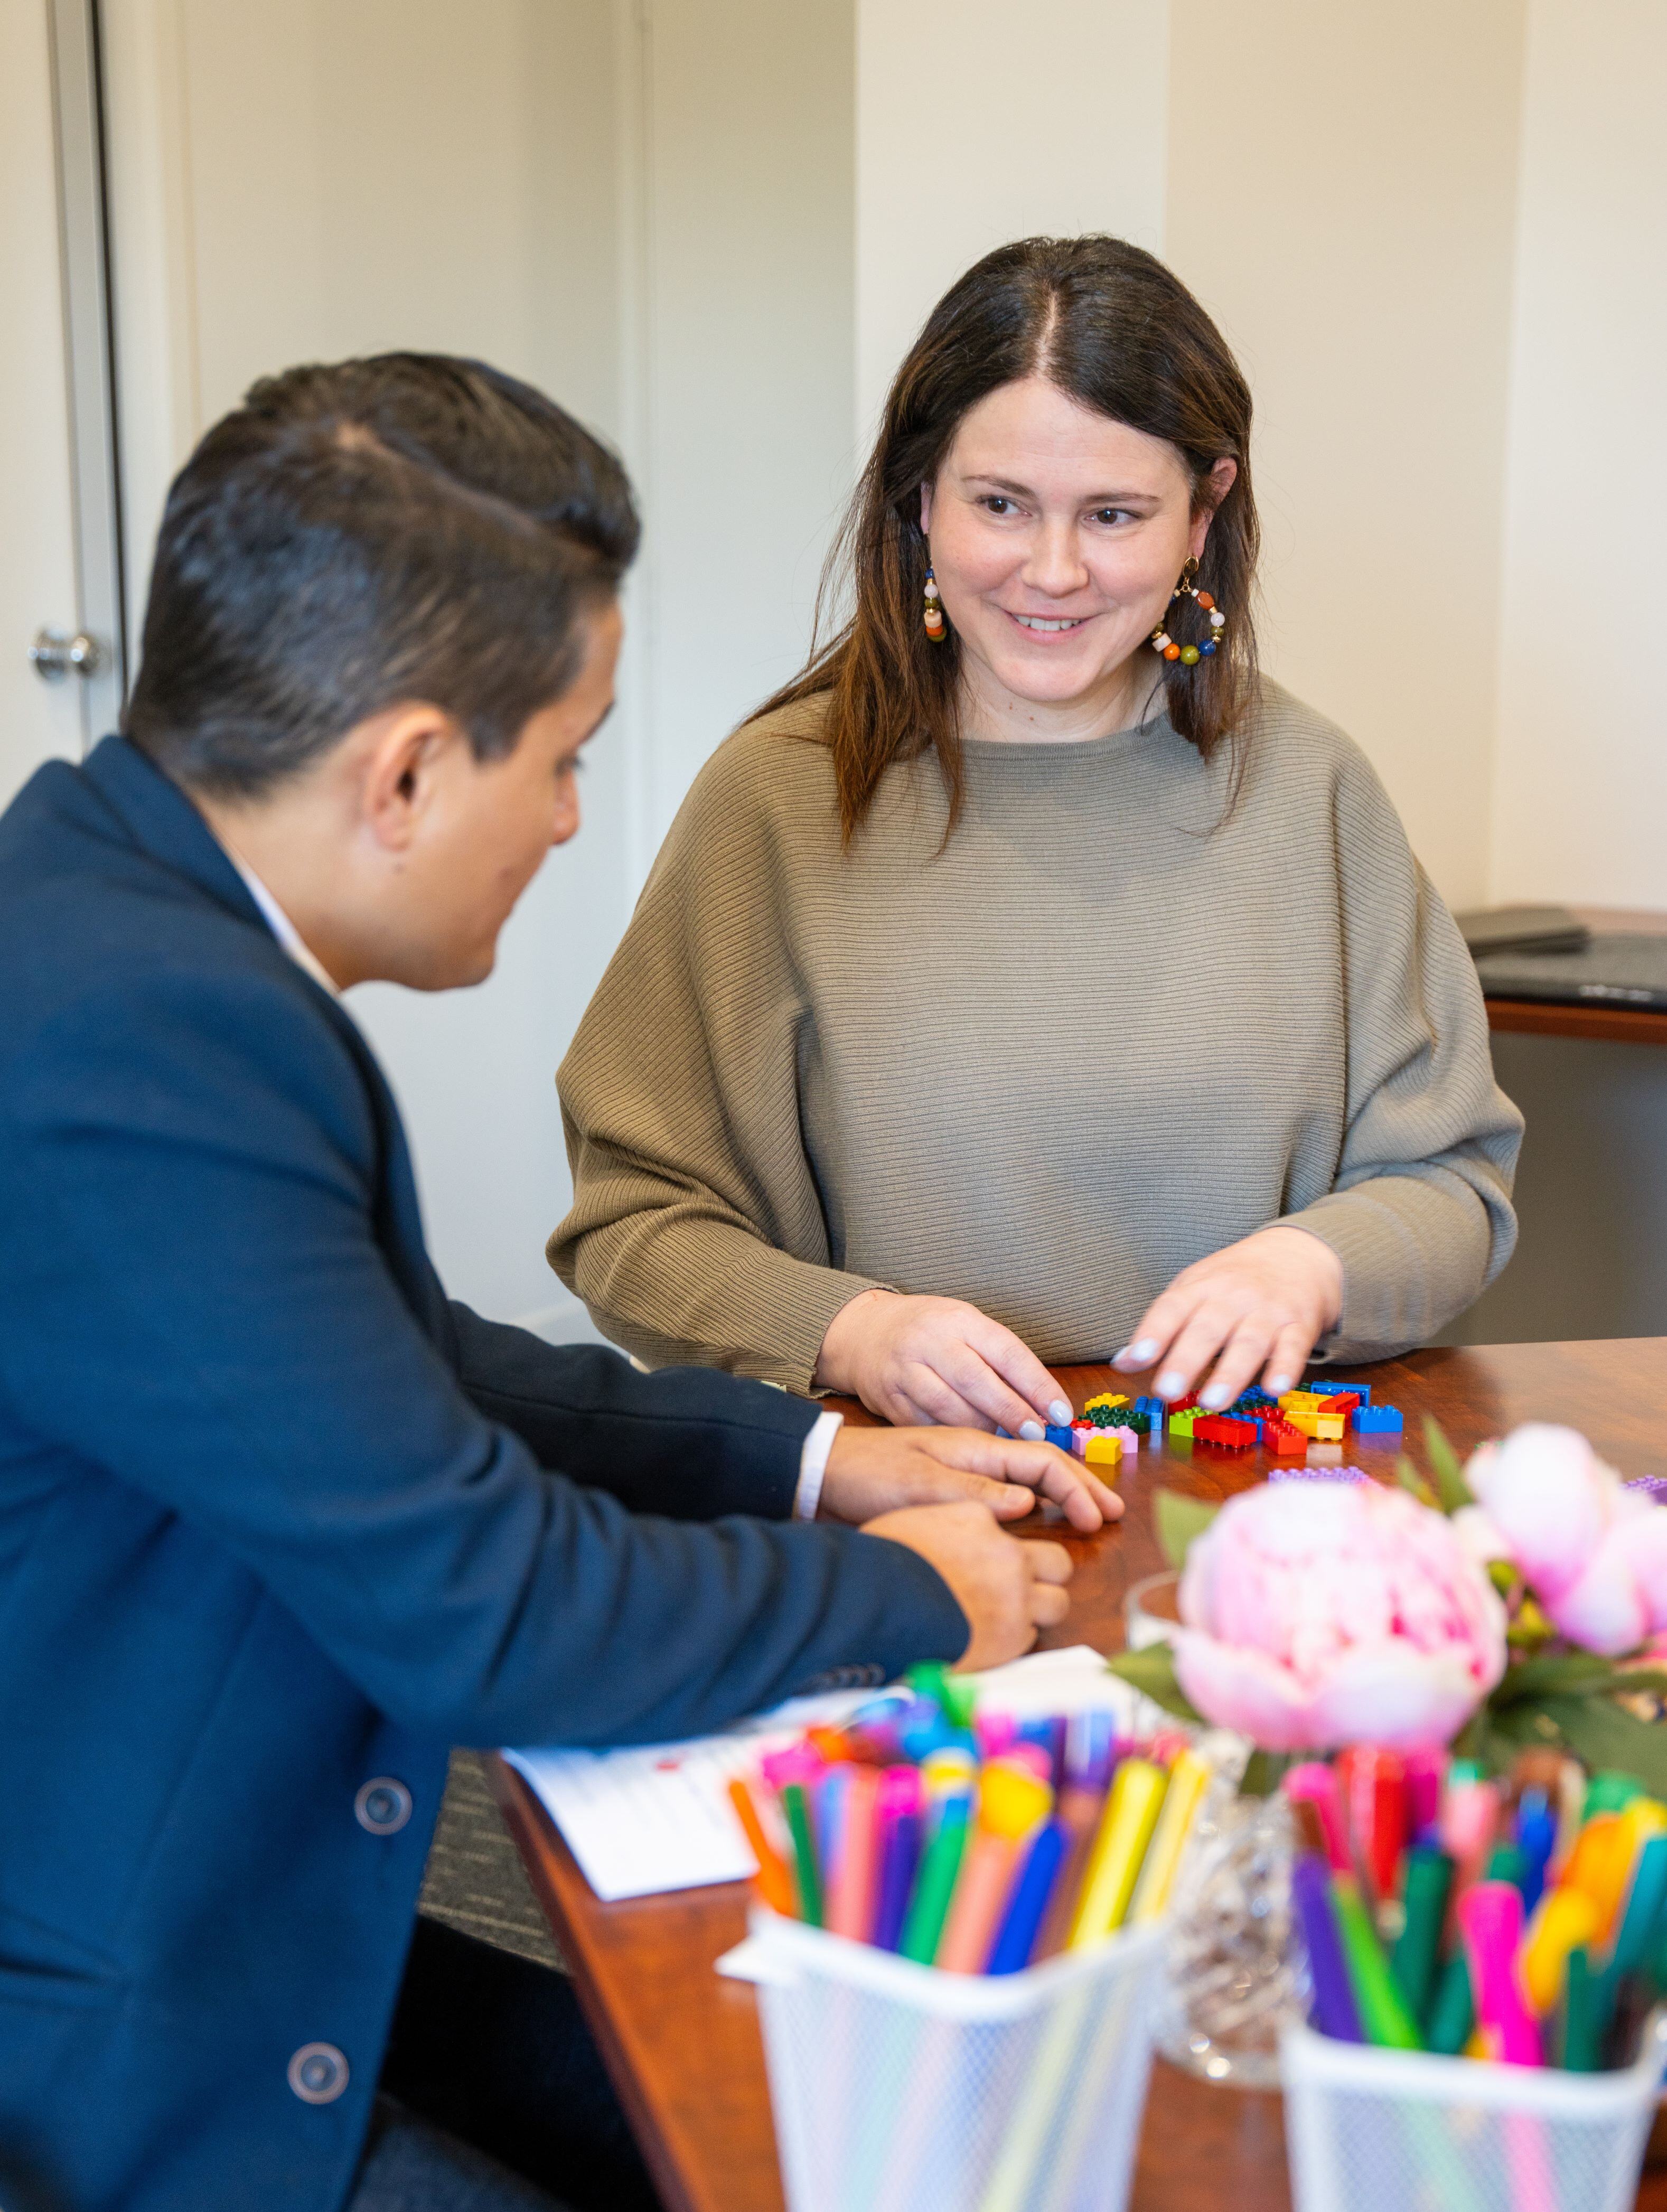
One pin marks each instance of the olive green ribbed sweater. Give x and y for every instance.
(1115, 1024)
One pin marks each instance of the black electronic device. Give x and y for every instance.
(1607, 972)
(1523, 929)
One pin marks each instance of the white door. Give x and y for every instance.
(37, 507)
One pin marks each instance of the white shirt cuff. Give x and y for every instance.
(813, 1465)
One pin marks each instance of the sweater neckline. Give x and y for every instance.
(1053, 753)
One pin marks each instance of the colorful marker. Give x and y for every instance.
(1131, 1815)
(775, 1882)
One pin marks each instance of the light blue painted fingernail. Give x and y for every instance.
(1031, 1432)
(1142, 1353)
(1060, 1413)
(1215, 1397)
(1279, 1384)
(1171, 1385)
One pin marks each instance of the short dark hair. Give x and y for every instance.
(407, 526)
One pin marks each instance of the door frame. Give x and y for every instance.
(89, 352)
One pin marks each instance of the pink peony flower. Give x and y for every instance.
(1322, 1613)
(1593, 1553)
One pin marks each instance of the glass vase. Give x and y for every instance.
(1236, 1977)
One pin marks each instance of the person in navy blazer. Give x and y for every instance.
(279, 1524)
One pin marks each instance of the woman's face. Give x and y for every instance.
(1056, 538)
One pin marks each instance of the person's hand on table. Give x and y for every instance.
(1007, 1589)
(874, 1471)
(1259, 1306)
(917, 1360)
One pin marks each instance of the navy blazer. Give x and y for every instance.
(278, 1524)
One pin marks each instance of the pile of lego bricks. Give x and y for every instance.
(1284, 1427)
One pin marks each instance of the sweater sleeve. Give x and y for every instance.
(697, 1234)
(1419, 1212)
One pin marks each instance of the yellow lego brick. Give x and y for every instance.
(1106, 1398)
(1325, 1428)
(1303, 1401)
(1104, 1448)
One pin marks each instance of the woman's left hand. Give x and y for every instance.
(1261, 1304)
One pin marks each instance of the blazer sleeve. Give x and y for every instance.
(685, 1442)
(1419, 1212)
(194, 1302)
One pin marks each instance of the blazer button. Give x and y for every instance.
(318, 2073)
(382, 1805)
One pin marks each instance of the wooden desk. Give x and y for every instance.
(682, 2044)
(1607, 1024)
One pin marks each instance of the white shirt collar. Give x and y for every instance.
(281, 926)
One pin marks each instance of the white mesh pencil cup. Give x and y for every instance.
(1373, 2130)
(896, 2087)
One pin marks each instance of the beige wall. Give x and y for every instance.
(744, 446)
(1342, 195)
(1580, 780)
(977, 123)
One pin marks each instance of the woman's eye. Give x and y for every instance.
(995, 504)
(1111, 514)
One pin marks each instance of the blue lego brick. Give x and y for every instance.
(1375, 1421)
(1361, 1390)
(1060, 1436)
(1155, 1409)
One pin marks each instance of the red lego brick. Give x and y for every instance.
(1281, 1441)
(1342, 1401)
(1225, 1433)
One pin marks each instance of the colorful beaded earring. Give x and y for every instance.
(933, 615)
(1190, 655)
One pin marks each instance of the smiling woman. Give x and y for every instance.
(1032, 978)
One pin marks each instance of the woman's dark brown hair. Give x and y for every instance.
(1112, 328)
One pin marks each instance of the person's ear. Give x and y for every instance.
(400, 770)
(926, 509)
(1221, 480)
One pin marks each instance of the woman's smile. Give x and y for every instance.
(1044, 626)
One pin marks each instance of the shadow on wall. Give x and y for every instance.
(1591, 1195)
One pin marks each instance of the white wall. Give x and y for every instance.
(1580, 783)
(979, 123)
(1342, 195)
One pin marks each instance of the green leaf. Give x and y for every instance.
(1178, 1519)
(1152, 1672)
(1554, 1673)
(1409, 1478)
(1264, 1771)
(1450, 1486)
(1575, 1675)
(1598, 1731)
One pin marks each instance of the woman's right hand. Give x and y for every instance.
(915, 1361)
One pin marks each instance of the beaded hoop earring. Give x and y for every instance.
(1190, 655)
(933, 614)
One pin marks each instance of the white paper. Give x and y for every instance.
(658, 1817)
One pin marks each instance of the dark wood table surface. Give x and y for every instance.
(682, 2043)
(1603, 1024)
